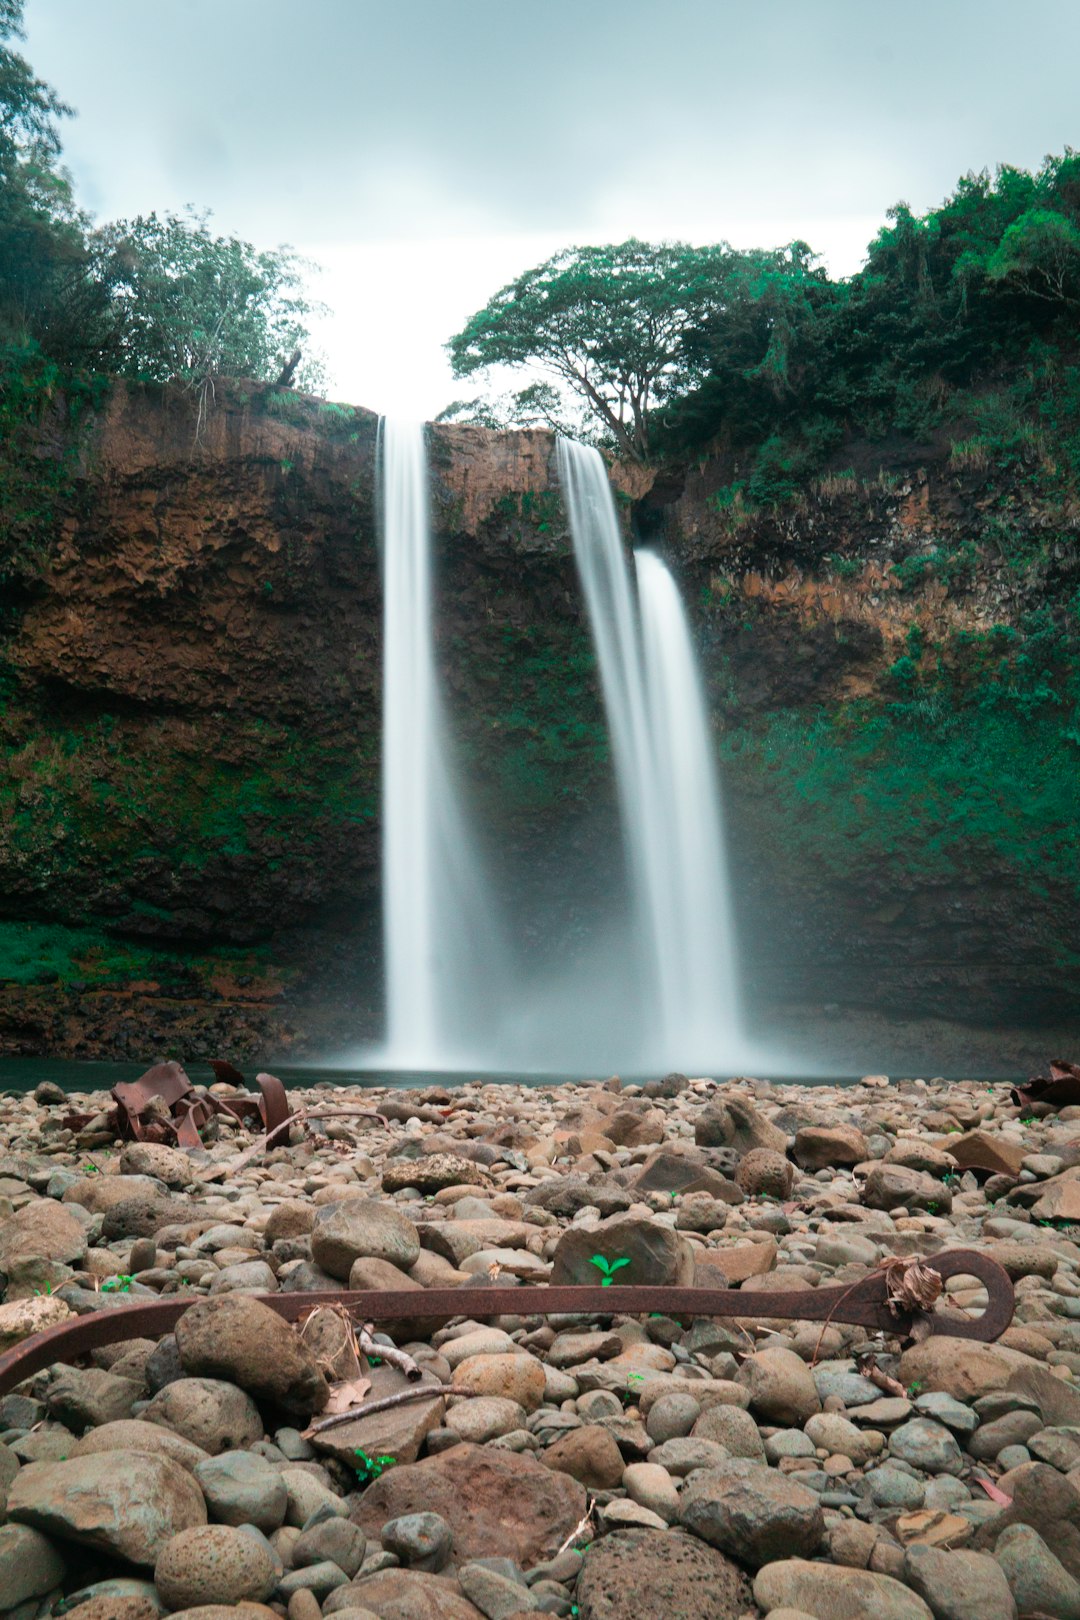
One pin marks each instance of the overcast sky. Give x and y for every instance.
(424, 151)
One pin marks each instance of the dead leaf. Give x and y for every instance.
(911, 1286)
(348, 1393)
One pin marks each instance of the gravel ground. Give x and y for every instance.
(596, 1466)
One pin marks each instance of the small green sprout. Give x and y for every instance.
(914, 1389)
(607, 1268)
(369, 1468)
(120, 1284)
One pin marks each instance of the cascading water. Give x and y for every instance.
(666, 781)
(443, 985)
(696, 944)
(453, 994)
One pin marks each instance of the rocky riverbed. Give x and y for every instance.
(604, 1467)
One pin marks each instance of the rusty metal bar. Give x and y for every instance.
(863, 1303)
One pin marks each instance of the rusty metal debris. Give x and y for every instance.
(162, 1105)
(1058, 1089)
(865, 1303)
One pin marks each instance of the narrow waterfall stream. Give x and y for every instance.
(442, 961)
(666, 778)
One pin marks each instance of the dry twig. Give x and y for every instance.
(415, 1392)
(388, 1353)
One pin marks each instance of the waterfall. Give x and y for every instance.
(443, 983)
(695, 938)
(455, 995)
(666, 781)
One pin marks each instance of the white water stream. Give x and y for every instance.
(443, 975)
(667, 784)
(454, 996)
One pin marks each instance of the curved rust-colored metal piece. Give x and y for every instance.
(863, 1303)
(274, 1106)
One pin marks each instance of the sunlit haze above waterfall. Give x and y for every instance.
(425, 152)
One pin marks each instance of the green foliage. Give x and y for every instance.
(609, 323)
(43, 409)
(369, 1468)
(195, 305)
(760, 357)
(607, 1268)
(120, 1284)
(968, 763)
(94, 797)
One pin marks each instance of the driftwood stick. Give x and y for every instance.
(416, 1392)
(388, 1353)
(301, 1117)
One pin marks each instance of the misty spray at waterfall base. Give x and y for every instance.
(661, 988)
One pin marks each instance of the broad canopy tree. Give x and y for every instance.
(610, 323)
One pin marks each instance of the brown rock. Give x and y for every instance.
(781, 1387)
(675, 1167)
(516, 1376)
(407, 1594)
(834, 1593)
(1050, 1503)
(890, 1186)
(171, 1165)
(362, 1228)
(292, 1219)
(42, 1230)
(765, 1174)
(632, 1128)
(822, 1147)
(398, 1432)
(959, 1367)
(238, 1338)
(143, 1216)
(214, 1563)
(659, 1573)
(115, 1608)
(1060, 1201)
(724, 1268)
(731, 1121)
(1058, 1398)
(131, 1434)
(209, 1412)
(981, 1150)
(22, 1318)
(456, 1240)
(123, 1503)
(491, 1499)
(99, 1193)
(656, 1254)
(431, 1173)
(588, 1454)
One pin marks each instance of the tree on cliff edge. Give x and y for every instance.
(191, 305)
(608, 322)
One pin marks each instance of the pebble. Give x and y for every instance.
(760, 1445)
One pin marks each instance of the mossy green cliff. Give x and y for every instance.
(189, 718)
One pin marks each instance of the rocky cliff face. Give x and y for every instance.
(190, 727)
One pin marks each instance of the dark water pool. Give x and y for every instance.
(23, 1074)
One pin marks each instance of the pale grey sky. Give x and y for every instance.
(426, 150)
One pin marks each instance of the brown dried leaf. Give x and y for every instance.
(345, 1395)
(911, 1286)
